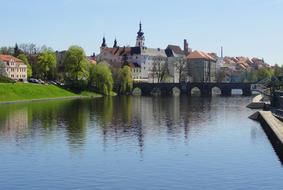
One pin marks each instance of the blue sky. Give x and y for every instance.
(242, 27)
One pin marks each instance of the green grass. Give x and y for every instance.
(21, 91)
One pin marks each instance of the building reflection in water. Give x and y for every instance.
(13, 122)
(116, 120)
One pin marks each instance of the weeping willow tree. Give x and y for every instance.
(125, 80)
(102, 78)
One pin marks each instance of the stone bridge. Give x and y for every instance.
(186, 88)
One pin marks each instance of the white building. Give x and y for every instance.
(14, 68)
(146, 63)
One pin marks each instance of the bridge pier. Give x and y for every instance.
(226, 92)
(206, 92)
(247, 92)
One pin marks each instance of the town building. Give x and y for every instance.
(14, 68)
(201, 67)
(146, 63)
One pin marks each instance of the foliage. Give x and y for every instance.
(278, 71)
(124, 80)
(264, 73)
(252, 76)
(102, 78)
(91, 77)
(90, 94)
(47, 64)
(76, 67)
(17, 50)
(7, 50)
(260, 74)
(5, 79)
(2, 69)
(24, 58)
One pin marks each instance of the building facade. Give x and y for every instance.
(202, 67)
(147, 63)
(14, 68)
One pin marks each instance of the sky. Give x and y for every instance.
(252, 28)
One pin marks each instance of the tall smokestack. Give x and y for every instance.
(186, 47)
(221, 51)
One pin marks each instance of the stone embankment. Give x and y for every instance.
(272, 126)
(258, 103)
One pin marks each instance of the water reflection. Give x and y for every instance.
(120, 119)
(115, 117)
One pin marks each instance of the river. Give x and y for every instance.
(136, 143)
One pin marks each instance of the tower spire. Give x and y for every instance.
(103, 45)
(103, 42)
(115, 43)
(140, 27)
(140, 37)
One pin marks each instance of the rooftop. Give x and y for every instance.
(200, 55)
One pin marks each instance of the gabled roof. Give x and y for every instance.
(120, 51)
(7, 58)
(176, 49)
(200, 55)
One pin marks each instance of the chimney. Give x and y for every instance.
(221, 51)
(186, 47)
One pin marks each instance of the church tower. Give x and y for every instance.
(103, 45)
(140, 37)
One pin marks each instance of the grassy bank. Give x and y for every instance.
(20, 91)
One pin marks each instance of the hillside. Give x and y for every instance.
(20, 91)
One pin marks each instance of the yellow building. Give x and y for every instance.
(14, 68)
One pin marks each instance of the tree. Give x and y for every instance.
(47, 64)
(76, 67)
(24, 58)
(220, 75)
(7, 50)
(159, 69)
(28, 48)
(125, 60)
(252, 76)
(102, 78)
(278, 71)
(125, 80)
(264, 73)
(17, 50)
(2, 69)
(181, 69)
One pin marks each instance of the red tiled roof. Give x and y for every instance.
(9, 57)
(200, 55)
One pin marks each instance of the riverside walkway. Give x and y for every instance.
(272, 126)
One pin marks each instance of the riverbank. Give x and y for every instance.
(259, 103)
(20, 92)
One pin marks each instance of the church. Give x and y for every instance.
(145, 62)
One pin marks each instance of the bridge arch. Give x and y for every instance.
(195, 91)
(216, 91)
(237, 91)
(175, 91)
(137, 91)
